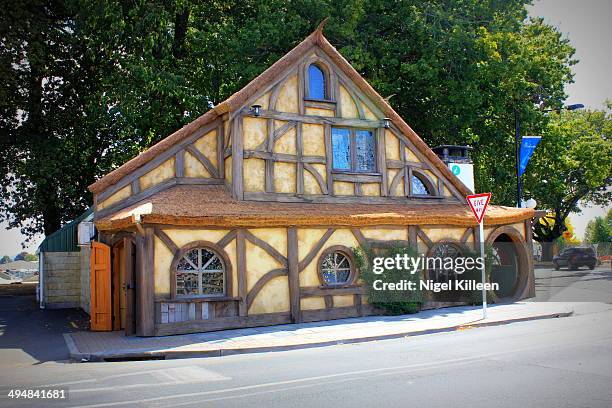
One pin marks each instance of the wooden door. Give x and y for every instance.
(100, 285)
(130, 264)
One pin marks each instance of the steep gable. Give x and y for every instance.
(185, 158)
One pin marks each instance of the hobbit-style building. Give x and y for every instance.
(247, 216)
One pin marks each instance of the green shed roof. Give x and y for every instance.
(66, 238)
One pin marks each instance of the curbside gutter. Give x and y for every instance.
(146, 354)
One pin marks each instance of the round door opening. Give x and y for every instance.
(505, 269)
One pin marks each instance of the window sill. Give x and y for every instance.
(427, 197)
(357, 177)
(320, 100)
(356, 173)
(340, 286)
(199, 299)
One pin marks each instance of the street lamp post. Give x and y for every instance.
(517, 152)
(517, 145)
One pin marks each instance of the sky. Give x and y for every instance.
(585, 23)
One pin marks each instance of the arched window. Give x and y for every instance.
(200, 271)
(316, 82)
(336, 266)
(439, 270)
(420, 185)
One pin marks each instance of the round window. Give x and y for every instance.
(336, 266)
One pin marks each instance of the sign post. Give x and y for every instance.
(478, 203)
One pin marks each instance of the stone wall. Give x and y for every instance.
(62, 279)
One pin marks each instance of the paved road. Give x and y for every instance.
(547, 363)
(563, 362)
(582, 285)
(29, 335)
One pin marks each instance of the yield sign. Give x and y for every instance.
(478, 203)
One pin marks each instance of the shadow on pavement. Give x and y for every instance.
(37, 332)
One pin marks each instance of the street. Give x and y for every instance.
(582, 285)
(543, 363)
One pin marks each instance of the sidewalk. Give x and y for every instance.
(92, 346)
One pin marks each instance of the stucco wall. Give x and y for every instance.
(182, 237)
(273, 297)
(309, 277)
(122, 194)
(206, 145)
(346, 104)
(62, 279)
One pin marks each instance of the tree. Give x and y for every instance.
(5, 259)
(21, 256)
(49, 115)
(24, 256)
(460, 71)
(30, 258)
(87, 84)
(568, 238)
(572, 165)
(599, 229)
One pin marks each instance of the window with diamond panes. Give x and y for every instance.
(200, 272)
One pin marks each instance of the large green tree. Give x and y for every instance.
(572, 165)
(127, 74)
(49, 119)
(599, 230)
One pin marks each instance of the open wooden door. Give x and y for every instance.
(100, 285)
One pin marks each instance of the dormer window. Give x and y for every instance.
(316, 83)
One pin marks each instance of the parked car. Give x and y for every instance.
(575, 257)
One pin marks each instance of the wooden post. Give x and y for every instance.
(300, 164)
(145, 313)
(242, 272)
(412, 236)
(530, 262)
(237, 159)
(382, 160)
(269, 172)
(115, 286)
(130, 327)
(329, 160)
(221, 150)
(179, 164)
(293, 274)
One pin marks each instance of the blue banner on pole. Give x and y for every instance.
(528, 145)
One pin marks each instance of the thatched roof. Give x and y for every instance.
(213, 206)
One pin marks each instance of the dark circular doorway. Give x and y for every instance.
(505, 269)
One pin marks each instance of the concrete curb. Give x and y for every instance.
(117, 355)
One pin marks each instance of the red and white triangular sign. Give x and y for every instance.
(478, 203)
